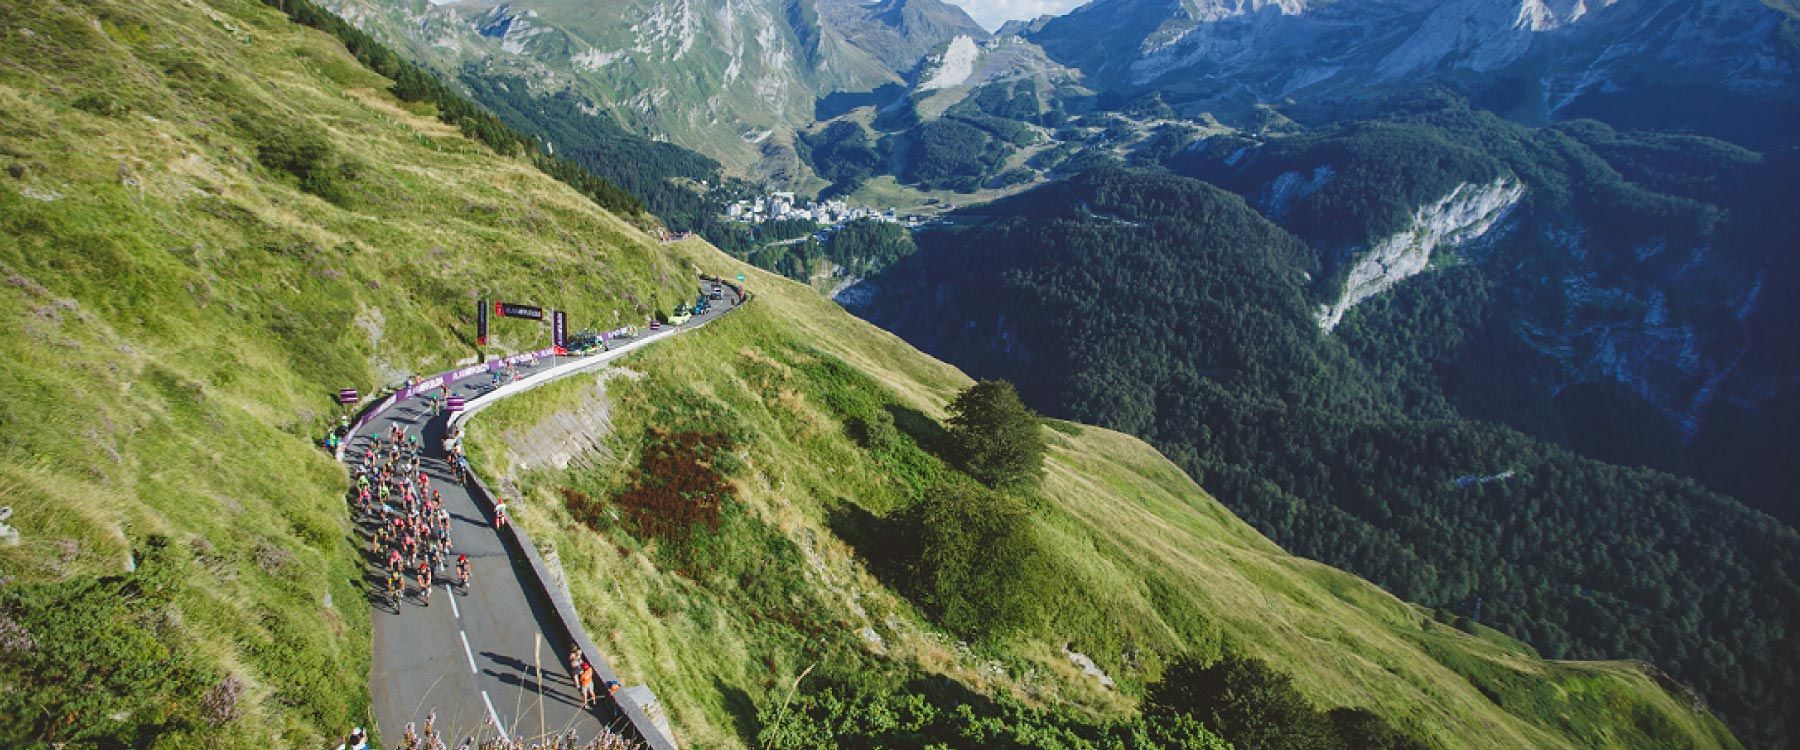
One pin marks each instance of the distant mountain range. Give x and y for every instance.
(1700, 64)
(731, 78)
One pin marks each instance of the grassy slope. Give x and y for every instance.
(1156, 565)
(176, 316)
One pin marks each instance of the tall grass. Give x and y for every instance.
(182, 296)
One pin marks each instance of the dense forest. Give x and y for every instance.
(842, 154)
(1627, 247)
(683, 188)
(856, 249)
(1169, 308)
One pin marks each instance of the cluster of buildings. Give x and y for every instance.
(783, 205)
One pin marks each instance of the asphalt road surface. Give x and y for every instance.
(493, 659)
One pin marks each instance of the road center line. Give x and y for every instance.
(499, 726)
(468, 651)
(451, 595)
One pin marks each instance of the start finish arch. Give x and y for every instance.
(558, 321)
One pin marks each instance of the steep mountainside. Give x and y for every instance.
(1170, 309)
(798, 576)
(1637, 264)
(211, 219)
(1723, 67)
(729, 79)
(898, 33)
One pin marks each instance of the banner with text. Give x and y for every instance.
(515, 310)
(558, 331)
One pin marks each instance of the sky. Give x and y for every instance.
(992, 13)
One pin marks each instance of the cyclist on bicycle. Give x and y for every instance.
(425, 583)
(395, 585)
(462, 571)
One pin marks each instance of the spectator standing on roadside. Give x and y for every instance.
(587, 684)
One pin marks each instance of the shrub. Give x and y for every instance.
(94, 661)
(876, 433)
(300, 149)
(675, 488)
(982, 569)
(994, 437)
(1251, 705)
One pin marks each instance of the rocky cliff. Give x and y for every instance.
(1465, 214)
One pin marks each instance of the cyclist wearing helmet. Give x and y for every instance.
(462, 571)
(394, 586)
(425, 582)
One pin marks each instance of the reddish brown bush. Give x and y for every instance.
(674, 489)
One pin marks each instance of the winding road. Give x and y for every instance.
(494, 660)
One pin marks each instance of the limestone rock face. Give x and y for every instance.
(1466, 213)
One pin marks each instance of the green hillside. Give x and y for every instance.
(179, 309)
(212, 219)
(791, 580)
(1169, 309)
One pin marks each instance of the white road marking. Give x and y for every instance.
(452, 596)
(468, 651)
(499, 726)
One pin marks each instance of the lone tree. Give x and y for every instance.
(994, 437)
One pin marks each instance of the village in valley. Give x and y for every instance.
(782, 205)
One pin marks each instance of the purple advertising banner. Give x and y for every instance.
(443, 379)
(558, 323)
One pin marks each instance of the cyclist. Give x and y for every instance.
(462, 571)
(393, 560)
(395, 584)
(425, 583)
(500, 512)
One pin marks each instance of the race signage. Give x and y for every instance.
(347, 396)
(454, 404)
(515, 310)
(481, 323)
(558, 330)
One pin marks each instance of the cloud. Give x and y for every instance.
(992, 13)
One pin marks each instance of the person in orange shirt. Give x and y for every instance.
(587, 685)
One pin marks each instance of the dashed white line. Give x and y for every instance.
(499, 726)
(468, 651)
(451, 595)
